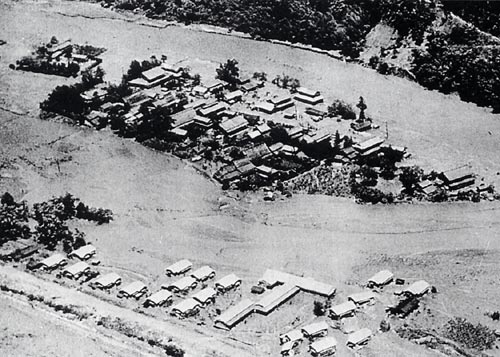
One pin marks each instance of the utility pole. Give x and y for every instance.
(386, 131)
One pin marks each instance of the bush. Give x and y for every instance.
(319, 308)
(342, 109)
(477, 337)
(229, 72)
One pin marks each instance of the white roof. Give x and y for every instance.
(343, 308)
(227, 281)
(186, 305)
(160, 296)
(108, 279)
(277, 296)
(234, 311)
(77, 268)
(323, 344)
(183, 283)
(202, 272)
(315, 327)
(293, 335)
(133, 288)
(200, 89)
(273, 277)
(53, 260)
(382, 277)
(233, 95)
(307, 92)
(83, 251)
(361, 297)
(287, 346)
(153, 73)
(359, 336)
(204, 295)
(180, 266)
(418, 288)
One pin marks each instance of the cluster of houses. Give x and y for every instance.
(454, 182)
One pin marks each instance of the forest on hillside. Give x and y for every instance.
(467, 66)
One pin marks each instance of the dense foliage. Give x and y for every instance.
(483, 14)
(479, 337)
(13, 219)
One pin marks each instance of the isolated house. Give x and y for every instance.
(418, 288)
(457, 179)
(232, 316)
(362, 297)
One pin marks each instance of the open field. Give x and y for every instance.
(165, 210)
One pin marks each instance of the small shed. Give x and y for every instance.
(418, 288)
(382, 278)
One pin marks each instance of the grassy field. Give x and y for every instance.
(165, 210)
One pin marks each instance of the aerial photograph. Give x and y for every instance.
(247, 178)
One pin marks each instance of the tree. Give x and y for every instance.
(64, 100)
(92, 77)
(260, 76)
(342, 109)
(409, 177)
(134, 71)
(229, 72)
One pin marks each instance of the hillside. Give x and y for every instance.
(428, 38)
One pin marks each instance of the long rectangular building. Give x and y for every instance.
(230, 318)
(275, 298)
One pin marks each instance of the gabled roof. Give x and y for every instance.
(160, 296)
(276, 297)
(362, 297)
(204, 295)
(186, 305)
(108, 279)
(133, 287)
(368, 144)
(53, 260)
(343, 309)
(235, 313)
(307, 92)
(77, 268)
(314, 328)
(382, 277)
(359, 336)
(280, 100)
(202, 273)
(265, 107)
(83, 251)
(179, 266)
(323, 344)
(233, 125)
(183, 283)
(418, 288)
(227, 281)
(233, 95)
(293, 335)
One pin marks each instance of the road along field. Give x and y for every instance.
(165, 210)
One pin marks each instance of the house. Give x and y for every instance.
(182, 285)
(79, 58)
(214, 85)
(382, 278)
(153, 74)
(59, 49)
(233, 126)
(135, 289)
(202, 122)
(289, 150)
(179, 132)
(369, 146)
(76, 270)
(184, 118)
(430, 190)
(362, 125)
(342, 310)
(418, 288)
(295, 132)
(233, 97)
(244, 166)
(266, 172)
(205, 296)
(362, 297)
(308, 96)
(99, 92)
(359, 337)
(282, 103)
(196, 104)
(251, 86)
(107, 281)
(263, 129)
(323, 347)
(177, 70)
(232, 316)
(187, 307)
(96, 118)
(273, 278)
(180, 267)
(199, 91)
(227, 283)
(316, 329)
(349, 153)
(254, 135)
(264, 107)
(212, 110)
(292, 336)
(159, 298)
(83, 253)
(250, 116)
(458, 175)
(20, 253)
(151, 78)
(203, 273)
(53, 262)
(316, 112)
(258, 151)
(275, 298)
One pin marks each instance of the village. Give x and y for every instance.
(301, 315)
(247, 133)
